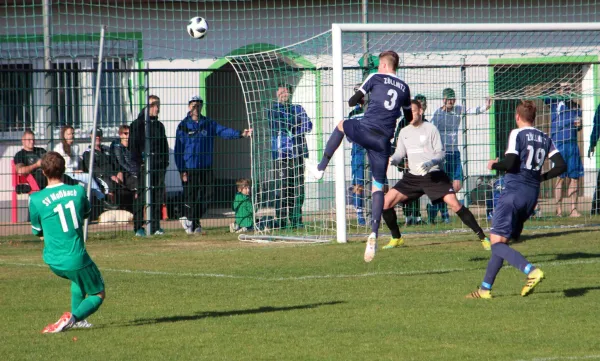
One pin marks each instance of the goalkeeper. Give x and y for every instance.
(421, 142)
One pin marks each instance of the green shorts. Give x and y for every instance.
(88, 278)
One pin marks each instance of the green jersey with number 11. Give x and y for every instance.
(57, 213)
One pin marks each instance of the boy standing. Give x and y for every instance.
(242, 206)
(57, 215)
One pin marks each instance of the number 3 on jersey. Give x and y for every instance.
(390, 104)
(61, 214)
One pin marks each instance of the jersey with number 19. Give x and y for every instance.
(387, 94)
(57, 213)
(532, 146)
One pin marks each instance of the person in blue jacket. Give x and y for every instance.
(289, 124)
(593, 141)
(194, 146)
(565, 115)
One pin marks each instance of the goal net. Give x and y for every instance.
(557, 67)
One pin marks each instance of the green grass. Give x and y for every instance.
(214, 298)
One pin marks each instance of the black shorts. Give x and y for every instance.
(378, 147)
(436, 185)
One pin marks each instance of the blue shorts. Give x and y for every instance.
(514, 207)
(453, 166)
(378, 147)
(570, 152)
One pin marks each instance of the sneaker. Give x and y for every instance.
(362, 221)
(394, 243)
(65, 322)
(409, 221)
(233, 227)
(198, 230)
(82, 324)
(187, 225)
(486, 244)
(315, 172)
(446, 220)
(140, 233)
(159, 232)
(371, 247)
(485, 294)
(533, 278)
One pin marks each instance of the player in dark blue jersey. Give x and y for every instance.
(387, 95)
(527, 150)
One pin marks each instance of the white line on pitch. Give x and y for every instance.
(307, 277)
(558, 358)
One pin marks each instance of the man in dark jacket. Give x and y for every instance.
(156, 162)
(133, 197)
(106, 170)
(194, 146)
(289, 125)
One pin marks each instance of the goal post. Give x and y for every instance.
(505, 62)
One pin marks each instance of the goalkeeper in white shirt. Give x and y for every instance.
(421, 143)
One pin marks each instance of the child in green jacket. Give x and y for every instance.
(242, 206)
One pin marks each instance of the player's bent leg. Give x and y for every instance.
(392, 198)
(335, 139)
(467, 218)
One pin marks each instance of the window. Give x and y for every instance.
(16, 93)
(66, 97)
(111, 112)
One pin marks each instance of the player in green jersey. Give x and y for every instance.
(57, 216)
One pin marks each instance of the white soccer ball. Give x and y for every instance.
(197, 27)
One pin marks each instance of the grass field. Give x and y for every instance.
(214, 298)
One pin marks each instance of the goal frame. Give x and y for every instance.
(337, 31)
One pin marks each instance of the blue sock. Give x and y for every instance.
(332, 144)
(493, 267)
(357, 200)
(513, 257)
(377, 210)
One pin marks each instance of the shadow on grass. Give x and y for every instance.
(571, 292)
(550, 234)
(549, 257)
(211, 314)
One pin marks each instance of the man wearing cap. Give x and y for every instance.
(194, 146)
(447, 120)
(106, 169)
(289, 125)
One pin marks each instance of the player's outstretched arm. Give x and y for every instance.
(509, 162)
(560, 166)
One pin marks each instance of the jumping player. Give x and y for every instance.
(57, 215)
(387, 94)
(527, 150)
(421, 142)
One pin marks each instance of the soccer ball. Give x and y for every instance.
(197, 27)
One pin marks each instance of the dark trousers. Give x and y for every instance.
(129, 196)
(290, 191)
(197, 193)
(596, 200)
(157, 193)
(412, 208)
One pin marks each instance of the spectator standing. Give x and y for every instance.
(289, 124)
(447, 120)
(242, 206)
(565, 116)
(194, 148)
(120, 150)
(156, 162)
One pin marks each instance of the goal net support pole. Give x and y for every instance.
(337, 31)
